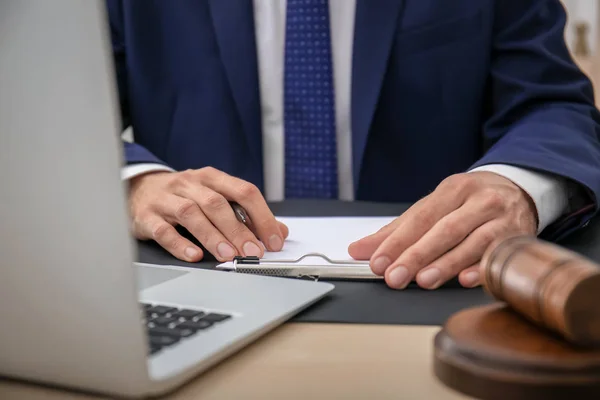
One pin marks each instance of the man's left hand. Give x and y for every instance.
(446, 233)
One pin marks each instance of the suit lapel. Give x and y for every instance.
(234, 28)
(375, 23)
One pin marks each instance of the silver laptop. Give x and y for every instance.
(75, 311)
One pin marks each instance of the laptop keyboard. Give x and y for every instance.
(167, 326)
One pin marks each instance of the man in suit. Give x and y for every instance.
(472, 109)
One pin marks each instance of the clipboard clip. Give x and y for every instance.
(327, 269)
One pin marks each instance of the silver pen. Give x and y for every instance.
(329, 269)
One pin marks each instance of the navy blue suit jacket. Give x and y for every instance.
(438, 87)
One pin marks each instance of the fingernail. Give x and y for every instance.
(380, 264)
(225, 251)
(251, 249)
(430, 278)
(275, 243)
(191, 253)
(471, 278)
(398, 278)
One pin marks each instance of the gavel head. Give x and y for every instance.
(553, 287)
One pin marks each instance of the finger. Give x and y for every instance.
(364, 248)
(187, 213)
(211, 216)
(418, 222)
(248, 196)
(285, 231)
(447, 197)
(463, 256)
(156, 228)
(470, 277)
(419, 219)
(450, 231)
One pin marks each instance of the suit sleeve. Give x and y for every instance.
(134, 153)
(543, 115)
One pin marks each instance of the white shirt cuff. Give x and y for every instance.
(548, 192)
(131, 171)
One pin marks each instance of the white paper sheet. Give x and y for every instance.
(327, 235)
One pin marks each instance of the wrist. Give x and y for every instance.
(138, 180)
(530, 206)
(548, 192)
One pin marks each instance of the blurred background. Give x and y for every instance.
(586, 13)
(583, 37)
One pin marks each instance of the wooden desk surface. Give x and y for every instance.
(309, 361)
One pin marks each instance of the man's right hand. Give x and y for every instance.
(198, 200)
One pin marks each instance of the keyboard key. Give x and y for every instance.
(188, 314)
(214, 317)
(162, 340)
(186, 332)
(194, 325)
(168, 325)
(174, 331)
(163, 321)
(162, 331)
(161, 310)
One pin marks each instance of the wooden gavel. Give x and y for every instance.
(553, 287)
(540, 340)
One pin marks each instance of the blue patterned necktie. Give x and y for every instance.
(309, 109)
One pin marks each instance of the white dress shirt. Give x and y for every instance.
(549, 193)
